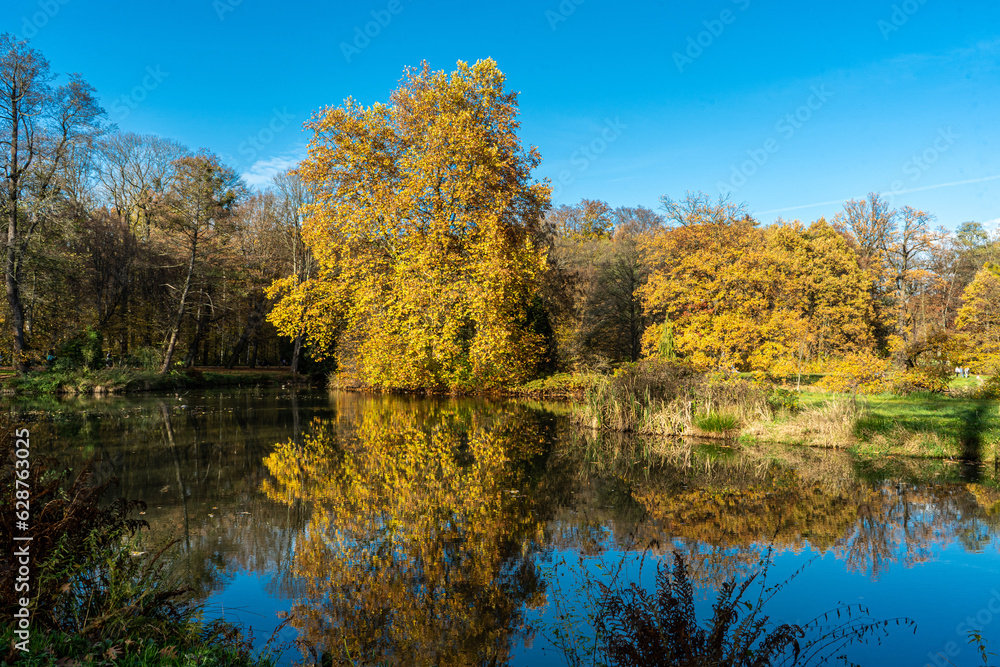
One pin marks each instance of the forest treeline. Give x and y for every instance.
(413, 249)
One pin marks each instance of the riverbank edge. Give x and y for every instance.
(124, 381)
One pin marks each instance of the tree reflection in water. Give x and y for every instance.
(424, 530)
(422, 541)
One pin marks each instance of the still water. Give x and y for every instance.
(389, 530)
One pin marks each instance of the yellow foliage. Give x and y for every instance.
(979, 316)
(863, 373)
(740, 296)
(420, 522)
(423, 227)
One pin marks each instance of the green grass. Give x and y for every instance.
(715, 422)
(923, 425)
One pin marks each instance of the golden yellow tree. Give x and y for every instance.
(979, 317)
(424, 230)
(756, 299)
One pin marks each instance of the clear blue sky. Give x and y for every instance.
(888, 81)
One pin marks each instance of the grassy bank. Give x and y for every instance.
(133, 380)
(665, 398)
(916, 425)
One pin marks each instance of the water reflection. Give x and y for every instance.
(421, 545)
(419, 531)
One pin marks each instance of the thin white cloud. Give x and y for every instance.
(900, 192)
(261, 172)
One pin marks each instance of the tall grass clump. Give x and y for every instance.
(838, 422)
(657, 396)
(639, 397)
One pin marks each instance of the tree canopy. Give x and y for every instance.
(425, 229)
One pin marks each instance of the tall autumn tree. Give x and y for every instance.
(979, 316)
(43, 129)
(196, 213)
(424, 229)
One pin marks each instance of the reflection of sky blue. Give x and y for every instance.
(938, 595)
(247, 602)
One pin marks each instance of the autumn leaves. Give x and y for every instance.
(425, 229)
(439, 269)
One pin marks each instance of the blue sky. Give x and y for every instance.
(790, 107)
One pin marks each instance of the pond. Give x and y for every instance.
(417, 531)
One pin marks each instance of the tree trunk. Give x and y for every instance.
(297, 354)
(12, 265)
(199, 332)
(254, 321)
(13, 278)
(175, 330)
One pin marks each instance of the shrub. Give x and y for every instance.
(990, 389)
(784, 399)
(715, 422)
(918, 380)
(858, 373)
(95, 592)
(81, 351)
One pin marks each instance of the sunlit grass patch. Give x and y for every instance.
(716, 422)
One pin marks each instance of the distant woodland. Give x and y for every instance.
(413, 249)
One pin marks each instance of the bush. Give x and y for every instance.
(784, 399)
(990, 389)
(81, 351)
(918, 380)
(858, 373)
(638, 629)
(147, 358)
